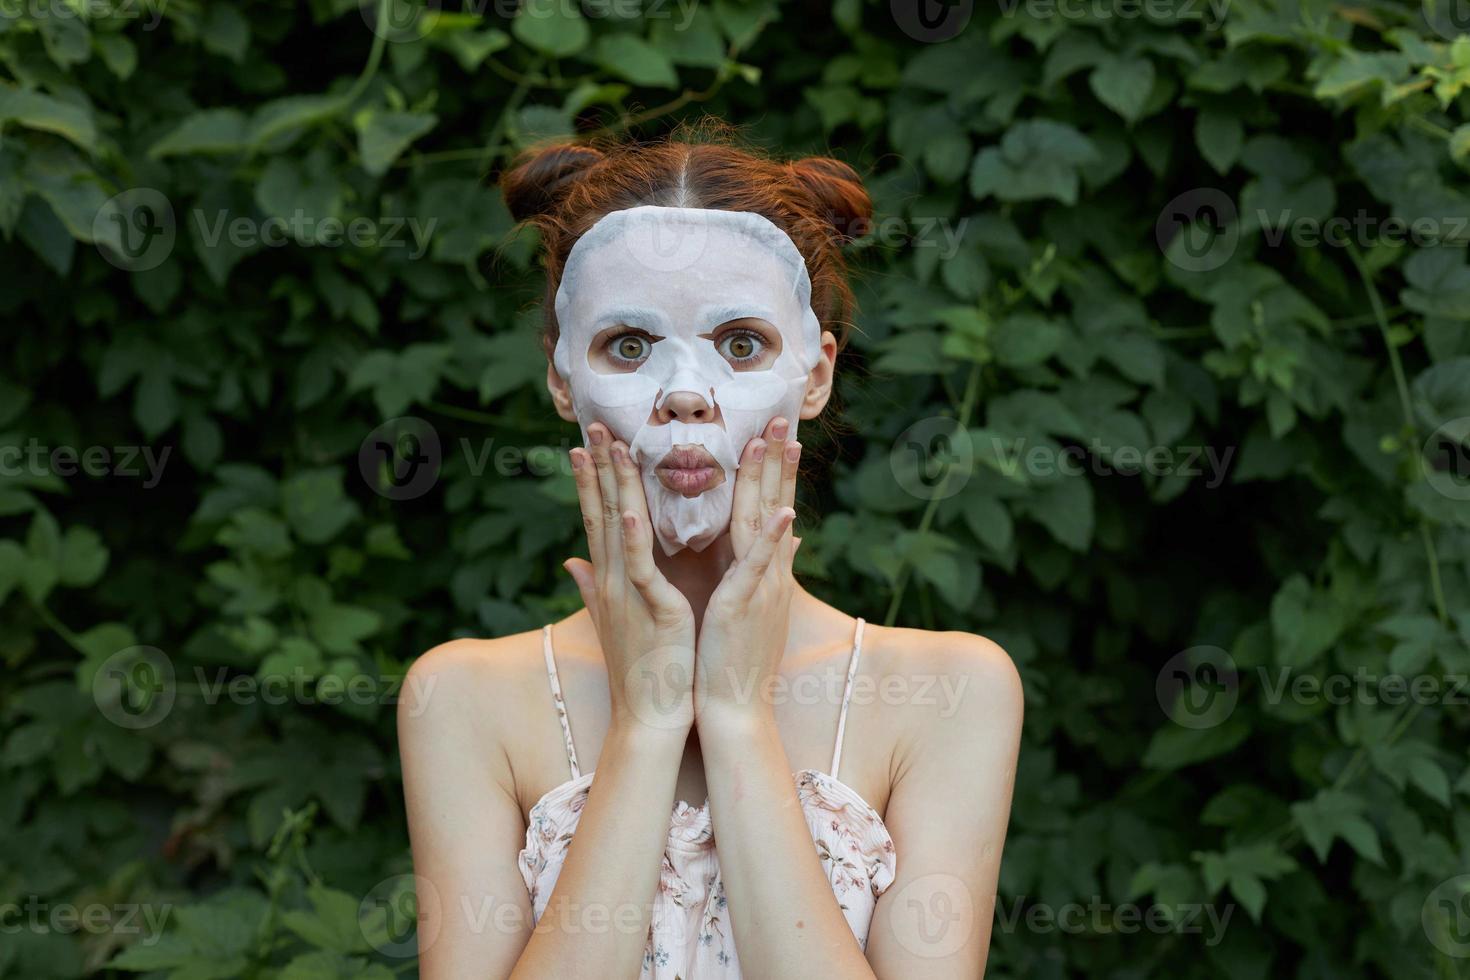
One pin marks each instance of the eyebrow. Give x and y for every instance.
(642, 317)
(713, 316)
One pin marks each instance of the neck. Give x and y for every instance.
(696, 573)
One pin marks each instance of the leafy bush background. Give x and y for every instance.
(1058, 320)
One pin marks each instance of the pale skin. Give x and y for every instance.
(481, 745)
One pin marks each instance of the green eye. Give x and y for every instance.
(631, 347)
(741, 346)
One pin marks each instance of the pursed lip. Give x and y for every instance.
(689, 470)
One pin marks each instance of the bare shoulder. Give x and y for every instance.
(471, 684)
(962, 686)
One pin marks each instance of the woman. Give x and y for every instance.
(856, 778)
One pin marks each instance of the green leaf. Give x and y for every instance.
(1459, 143)
(1355, 70)
(1025, 339)
(1441, 398)
(225, 31)
(382, 136)
(1439, 282)
(303, 194)
(81, 558)
(210, 131)
(1123, 84)
(1219, 136)
(331, 923)
(1305, 623)
(402, 379)
(118, 53)
(338, 628)
(551, 27)
(1065, 508)
(1332, 814)
(1137, 356)
(634, 59)
(315, 505)
(46, 113)
(1175, 746)
(1036, 159)
(1244, 869)
(277, 123)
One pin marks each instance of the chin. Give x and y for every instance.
(689, 522)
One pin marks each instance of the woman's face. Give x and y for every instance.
(685, 331)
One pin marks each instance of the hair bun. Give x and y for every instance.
(837, 193)
(541, 177)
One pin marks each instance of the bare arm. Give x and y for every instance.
(947, 814)
(786, 921)
(465, 822)
(467, 831)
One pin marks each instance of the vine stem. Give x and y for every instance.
(57, 626)
(1401, 382)
(375, 57)
(967, 407)
(496, 143)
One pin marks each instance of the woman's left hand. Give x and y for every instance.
(743, 635)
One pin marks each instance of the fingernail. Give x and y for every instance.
(576, 459)
(758, 453)
(793, 452)
(630, 521)
(596, 435)
(620, 455)
(778, 430)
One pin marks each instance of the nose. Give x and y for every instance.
(686, 406)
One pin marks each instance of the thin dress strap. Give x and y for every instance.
(561, 705)
(852, 666)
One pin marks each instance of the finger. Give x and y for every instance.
(753, 566)
(586, 579)
(790, 462)
(589, 498)
(745, 511)
(633, 514)
(771, 468)
(612, 533)
(638, 561)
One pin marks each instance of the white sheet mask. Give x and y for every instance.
(678, 274)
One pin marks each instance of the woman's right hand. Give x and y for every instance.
(644, 624)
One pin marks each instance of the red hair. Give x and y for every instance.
(565, 188)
